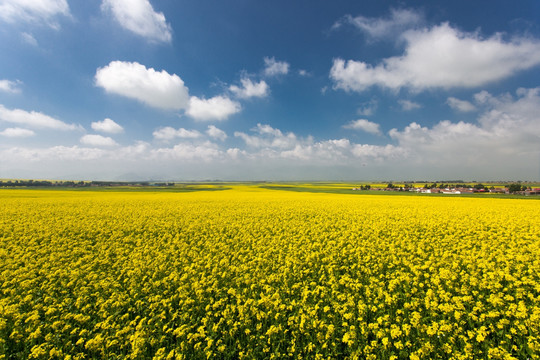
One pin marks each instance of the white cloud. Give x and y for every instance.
(216, 133)
(250, 89)
(501, 144)
(368, 108)
(342, 151)
(235, 153)
(34, 119)
(515, 118)
(268, 137)
(440, 57)
(34, 11)
(107, 126)
(215, 108)
(364, 125)
(139, 17)
(17, 132)
(507, 133)
(460, 105)
(97, 140)
(169, 133)
(274, 68)
(377, 28)
(367, 151)
(10, 86)
(155, 88)
(29, 39)
(408, 105)
(37, 156)
(185, 151)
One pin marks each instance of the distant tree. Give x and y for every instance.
(514, 188)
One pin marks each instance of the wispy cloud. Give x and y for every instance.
(368, 108)
(10, 86)
(34, 119)
(408, 105)
(460, 105)
(29, 39)
(379, 28)
(35, 11)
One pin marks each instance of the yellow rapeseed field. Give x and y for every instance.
(251, 273)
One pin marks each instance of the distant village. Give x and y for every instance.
(455, 189)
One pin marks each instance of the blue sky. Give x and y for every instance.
(280, 90)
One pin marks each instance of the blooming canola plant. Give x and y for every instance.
(252, 273)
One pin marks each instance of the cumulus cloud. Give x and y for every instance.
(408, 105)
(274, 68)
(35, 11)
(97, 140)
(17, 132)
(250, 89)
(507, 131)
(37, 156)
(139, 17)
(107, 126)
(206, 152)
(364, 125)
(10, 86)
(268, 143)
(380, 152)
(440, 57)
(158, 89)
(216, 133)
(378, 28)
(460, 105)
(169, 133)
(34, 119)
(513, 117)
(501, 144)
(269, 137)
(215, 108)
